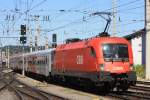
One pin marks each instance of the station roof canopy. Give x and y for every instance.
(135, 34)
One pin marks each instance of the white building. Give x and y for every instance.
(138, 43)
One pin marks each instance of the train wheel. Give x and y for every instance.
(122, 88)
(125, 88)
(107, 87)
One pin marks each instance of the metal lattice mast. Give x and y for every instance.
(46, 42)
(114, 10)
(147, 26)
(37, 34)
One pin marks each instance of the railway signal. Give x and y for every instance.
(54, 38)
(54, 45)
(23, 29)
(23, 38)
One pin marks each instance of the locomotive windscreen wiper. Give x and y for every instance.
(111, 59)
(125, 59)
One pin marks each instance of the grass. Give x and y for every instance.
(140, 70)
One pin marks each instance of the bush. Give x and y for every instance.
(140, 71)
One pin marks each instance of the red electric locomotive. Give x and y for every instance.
(102, 61)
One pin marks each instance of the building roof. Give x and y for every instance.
(135, 34)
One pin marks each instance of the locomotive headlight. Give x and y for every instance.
(102, 67)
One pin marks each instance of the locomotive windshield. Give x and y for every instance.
(115, 52)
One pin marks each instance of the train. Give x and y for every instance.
(101, 62)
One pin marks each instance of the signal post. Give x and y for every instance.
(23, 40)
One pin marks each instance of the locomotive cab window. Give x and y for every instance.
(115, 52)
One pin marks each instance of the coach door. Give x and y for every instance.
(51, 61)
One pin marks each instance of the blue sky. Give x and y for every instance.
(69, 23)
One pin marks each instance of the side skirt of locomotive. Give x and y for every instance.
(102, 79)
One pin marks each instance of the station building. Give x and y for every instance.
(138, 42)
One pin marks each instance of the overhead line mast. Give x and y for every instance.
(147, 26)
(114, 11)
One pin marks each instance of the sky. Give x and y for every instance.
(66, 18)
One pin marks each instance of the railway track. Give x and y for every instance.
(143, 82)
(130, 95)
(141, 86)
(34, 93)
(134, 93)
(22, 91)
(140, 91)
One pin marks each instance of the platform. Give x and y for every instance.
(64, 92)
(141, 79)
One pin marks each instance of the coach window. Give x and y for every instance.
(34, 62)
(42, 62)
(45, 59)
(38, 62)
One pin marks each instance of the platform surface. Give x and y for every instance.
(64, 92)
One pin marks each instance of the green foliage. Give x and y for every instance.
(140, 70)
